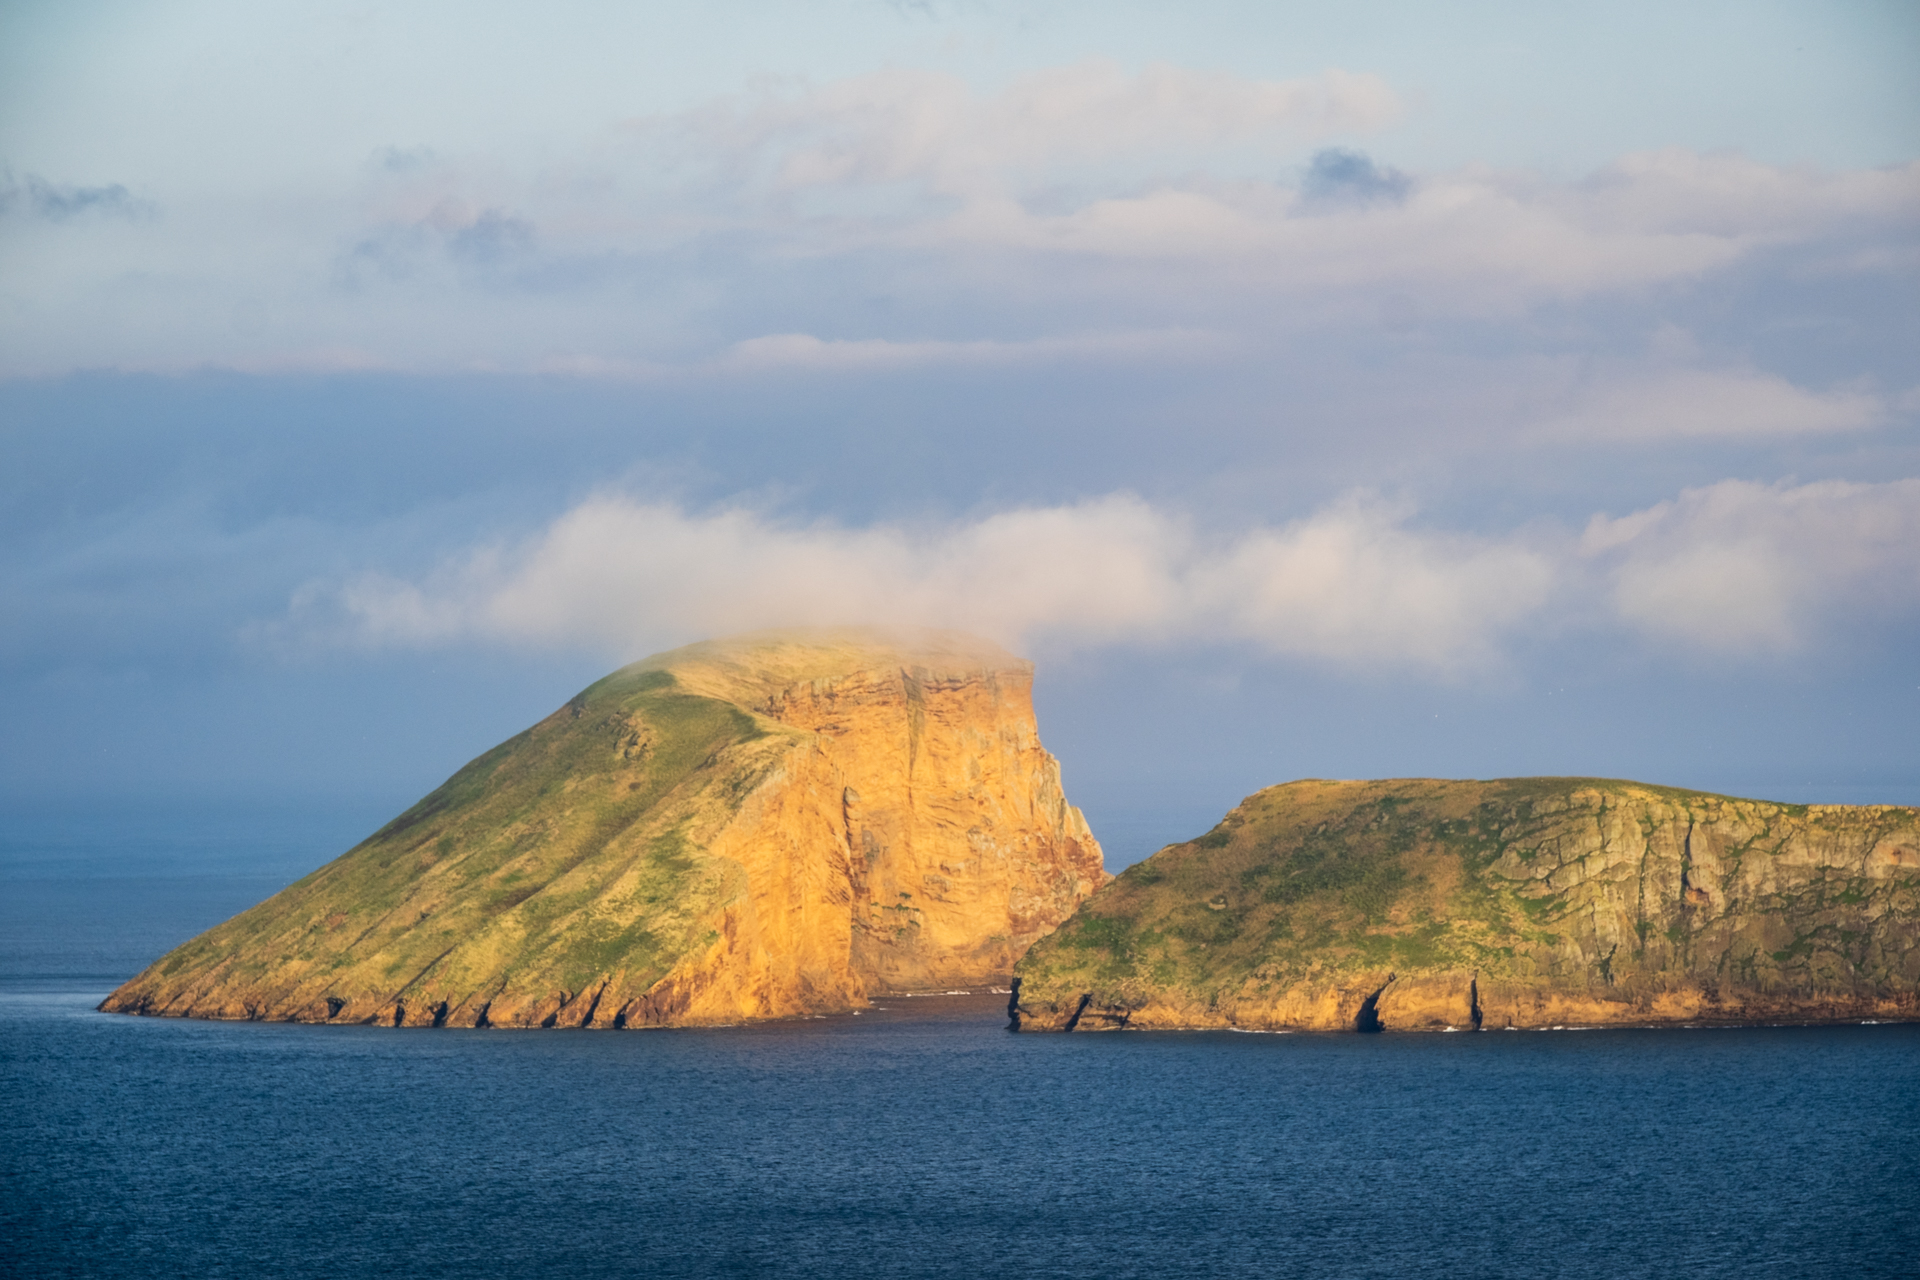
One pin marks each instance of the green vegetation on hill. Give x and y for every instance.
(760, 826)
(516, 854)
(1449, 897)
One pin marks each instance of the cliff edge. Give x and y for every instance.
(777, 824)
(1527, 902)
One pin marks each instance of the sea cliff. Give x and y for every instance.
(1529, 902)
(778, 824)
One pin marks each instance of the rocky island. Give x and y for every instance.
(778, 824)
(1529, 902)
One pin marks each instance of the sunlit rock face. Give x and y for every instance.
(1533, 902)
(773, 825)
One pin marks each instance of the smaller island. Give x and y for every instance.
(1419, 904)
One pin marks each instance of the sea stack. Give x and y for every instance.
(1525, 903)
(777, 824)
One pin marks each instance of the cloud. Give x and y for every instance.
(1707, 403)
(909, 125)
(804, 351)
(1728, 195)
(1350, 585)
(61, 202)
(404, 159)
(621, 575)
(1735, 568)
(451, 232)
(1466, 242)
(1337, 176)
(1354, 583)
(907, 217)
(1739, 567)
(492, 237)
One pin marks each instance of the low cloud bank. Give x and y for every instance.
(1740, 567)
(1732, 568)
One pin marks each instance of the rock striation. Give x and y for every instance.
(778, 824)
(1529, 902)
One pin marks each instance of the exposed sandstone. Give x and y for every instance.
(779, 824)
(1530, 902)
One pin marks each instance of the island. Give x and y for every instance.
(1420, 904)
(774, 825)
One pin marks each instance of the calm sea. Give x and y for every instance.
(919, 1139)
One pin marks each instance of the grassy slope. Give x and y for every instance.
(566, 847)
(1314, 882)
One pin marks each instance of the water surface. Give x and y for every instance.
(919, 1139)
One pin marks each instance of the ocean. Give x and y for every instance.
(919, 1138)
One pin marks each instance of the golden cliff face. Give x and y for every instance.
(1528, 902)
(958, 847)
(775, 825)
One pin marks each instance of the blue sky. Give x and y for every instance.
(1311, 390)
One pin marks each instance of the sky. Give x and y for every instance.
(1372, 390)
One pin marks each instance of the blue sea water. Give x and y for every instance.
(917, 1139)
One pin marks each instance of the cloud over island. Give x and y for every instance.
(1734, 568)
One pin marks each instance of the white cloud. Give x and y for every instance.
(804, 351)
(1735, 568)
(1739, 567)
(1469, 240)
(1728, 196)
(780, 353)
(1353, 582)
(1077, 200)
(1351, 585)
(1688, 403)
(1002, 195)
